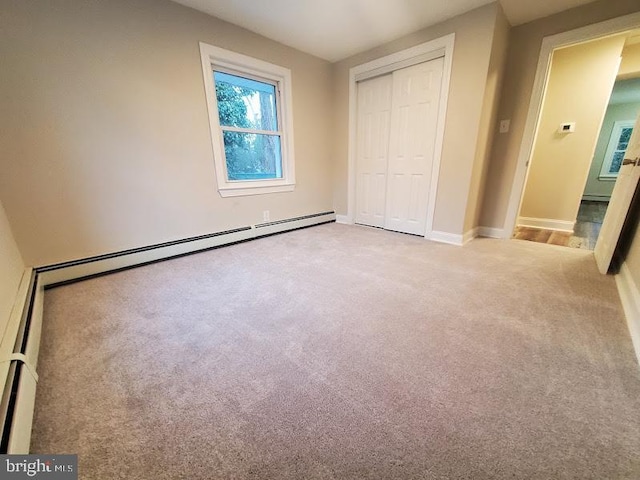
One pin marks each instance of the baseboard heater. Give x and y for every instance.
(20, 343)
(19, 354)
(61, 273)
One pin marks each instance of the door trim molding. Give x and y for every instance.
(440, 47)
(549, 44)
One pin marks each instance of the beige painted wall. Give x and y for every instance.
(105, 135)
(11, 270)
(488, 121)
(473, 46)
(524, 50)
(633, 258)
(603, 188)
(630, 65)
(578, 90)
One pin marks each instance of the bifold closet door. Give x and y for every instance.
(373, 117)
(414, 116)
(397, 117)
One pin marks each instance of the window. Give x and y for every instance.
(249, 124)
(249, 104)
(616, 149)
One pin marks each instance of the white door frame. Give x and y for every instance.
(440, 47)
(549, 44)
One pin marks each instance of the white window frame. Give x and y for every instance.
(618, 126)
(215, 57)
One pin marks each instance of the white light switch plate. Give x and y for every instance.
(504, 126)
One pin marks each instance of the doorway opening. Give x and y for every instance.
(590, 103)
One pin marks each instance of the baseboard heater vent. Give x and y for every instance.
(67, 272)
(19, 369)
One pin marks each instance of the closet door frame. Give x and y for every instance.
(440, 47)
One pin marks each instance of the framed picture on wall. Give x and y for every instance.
(618, 142)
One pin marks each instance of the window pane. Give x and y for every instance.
(616, 163)
(625, 135)
(252, 156)
(245, 103)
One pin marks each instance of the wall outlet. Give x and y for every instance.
(265, 216)
(504, 126)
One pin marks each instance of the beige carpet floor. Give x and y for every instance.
(342, 352)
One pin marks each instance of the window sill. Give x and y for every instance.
(244, 191)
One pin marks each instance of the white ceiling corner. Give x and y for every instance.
(336, 29)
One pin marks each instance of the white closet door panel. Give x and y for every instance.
(397, 197)
(415, 211)
(373, 123)
(414, 115)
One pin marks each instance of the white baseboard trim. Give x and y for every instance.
(470, 235)
(70, 271)
(453, 238)
(546, 223)
(490, 232)
(445, 237)
(630, 297)
(344, 219)
(596, 198)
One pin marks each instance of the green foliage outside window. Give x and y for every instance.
(249, 156)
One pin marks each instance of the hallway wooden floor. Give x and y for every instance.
(585, 233)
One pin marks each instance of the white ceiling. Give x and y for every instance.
(336, 29)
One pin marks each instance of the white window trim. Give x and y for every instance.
(616, 131)
(212, 57)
